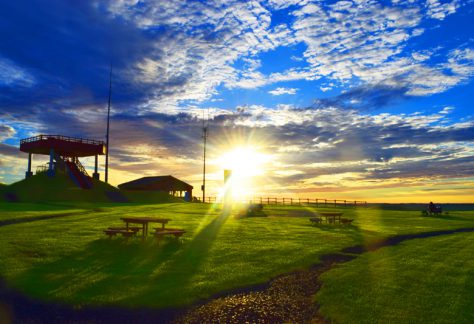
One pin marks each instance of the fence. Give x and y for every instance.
(318, 202)
(62, 138)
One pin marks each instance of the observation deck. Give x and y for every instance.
(62, 145)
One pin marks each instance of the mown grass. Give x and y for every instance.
(424, 280)
(69, 259)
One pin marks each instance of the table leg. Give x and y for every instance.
(143, 231)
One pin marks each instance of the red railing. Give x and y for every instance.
(318, 202)
(61, 137)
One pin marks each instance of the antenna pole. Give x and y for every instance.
(108, 125)
(204, 136)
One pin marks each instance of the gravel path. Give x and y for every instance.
(287, 298)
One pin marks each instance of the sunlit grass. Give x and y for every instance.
(69, 259)
(425, 280)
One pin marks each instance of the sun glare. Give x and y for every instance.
(247, 166)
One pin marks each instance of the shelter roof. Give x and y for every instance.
(164, 183)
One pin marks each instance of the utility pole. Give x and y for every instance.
(204, 137)
(108, 124)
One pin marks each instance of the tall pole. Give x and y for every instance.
(204, 136)
(108, 125)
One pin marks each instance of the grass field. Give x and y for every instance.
(429, 280)
(69, 259)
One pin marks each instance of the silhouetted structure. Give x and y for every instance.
(434, 209)
(168, 184)
(64, 153)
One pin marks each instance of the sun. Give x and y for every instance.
(247, 166)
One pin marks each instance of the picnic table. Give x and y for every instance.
(144, 222)
(328, 217)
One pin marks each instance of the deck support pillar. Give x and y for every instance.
(96, 175)
(28, 173)
(51, 163)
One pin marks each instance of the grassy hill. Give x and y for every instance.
(41, 188)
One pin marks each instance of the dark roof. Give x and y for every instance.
(163, 183)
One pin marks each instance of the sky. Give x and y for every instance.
(363, 99)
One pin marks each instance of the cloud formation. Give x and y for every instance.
(309, 81)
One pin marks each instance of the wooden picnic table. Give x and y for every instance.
(331, 216)
(144, 222)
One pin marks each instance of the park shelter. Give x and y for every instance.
(169, 184)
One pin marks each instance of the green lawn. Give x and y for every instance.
(423, 280)
(69, 259)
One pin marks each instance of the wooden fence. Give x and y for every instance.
(318, 202)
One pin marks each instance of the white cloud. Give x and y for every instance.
(282, 91)
(438, 10)
(11, 74)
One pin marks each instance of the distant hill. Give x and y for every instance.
(41, 188)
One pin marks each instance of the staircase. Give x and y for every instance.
(75, 170)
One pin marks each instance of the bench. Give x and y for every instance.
(346, 221)
(160, 232)
(114, 232)
(133, 229)
(316, 220)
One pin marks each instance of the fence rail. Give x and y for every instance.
(318, 202)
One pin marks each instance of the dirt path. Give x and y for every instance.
(287, 298)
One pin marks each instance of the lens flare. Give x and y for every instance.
(248, 167)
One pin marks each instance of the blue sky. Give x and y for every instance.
(348, 99)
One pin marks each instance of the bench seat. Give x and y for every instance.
(114, 232)
(123, 228)
(169, 231)
(315, 220)
(346, 221)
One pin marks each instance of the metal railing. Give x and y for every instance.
(81, 167)
(42, 168)
(318, 202)
(61, 137)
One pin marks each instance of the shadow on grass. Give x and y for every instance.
(126, 272)
(178, 274)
